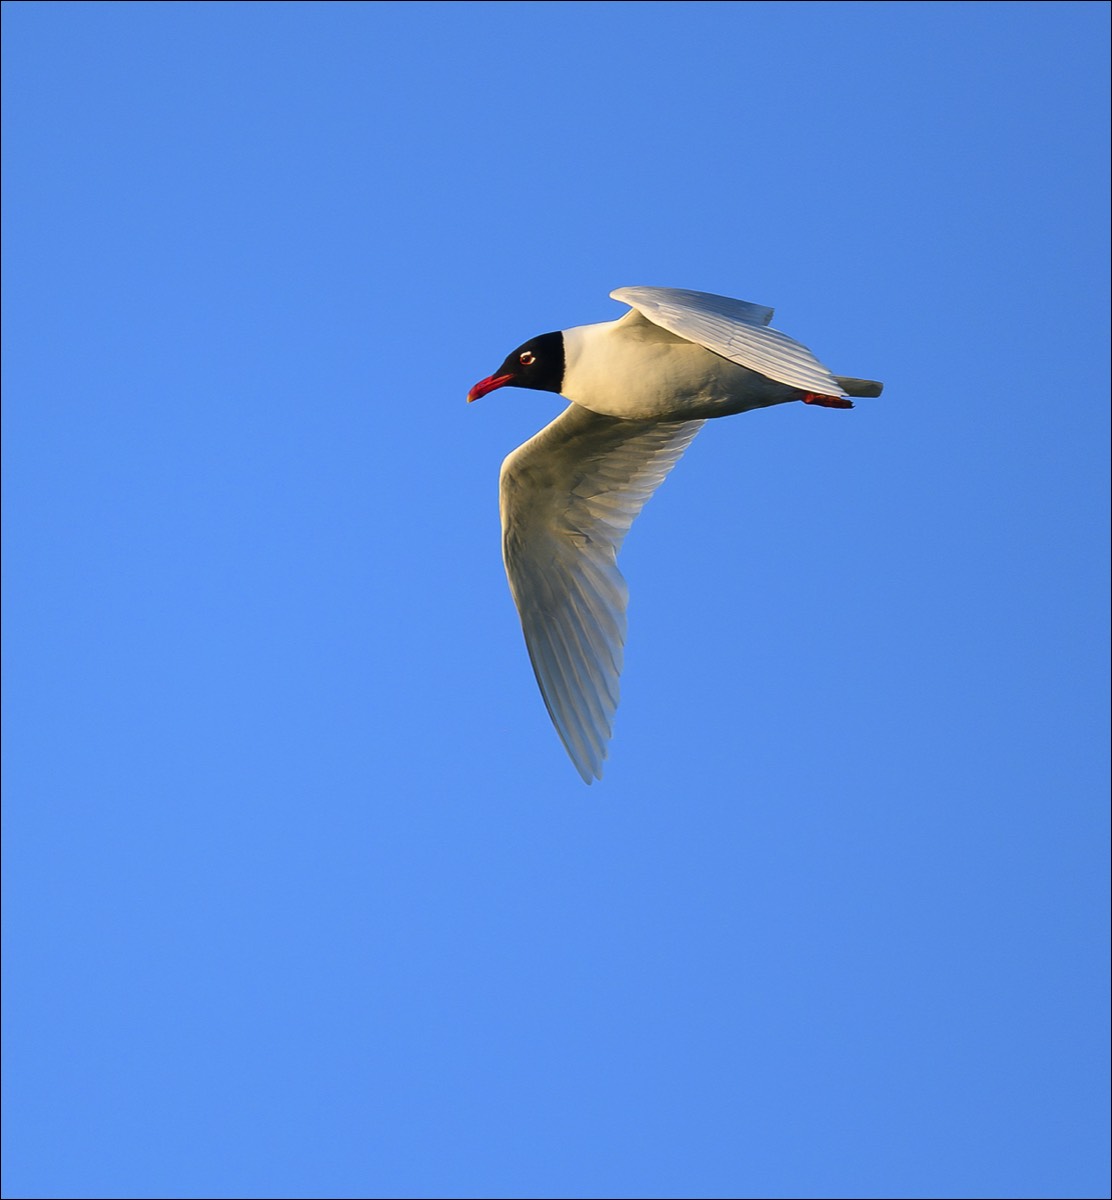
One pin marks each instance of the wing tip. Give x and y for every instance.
(588, 774)
(865, 389)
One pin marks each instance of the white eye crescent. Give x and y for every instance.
(527, 359)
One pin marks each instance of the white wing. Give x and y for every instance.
(568, 497)
(736, 330)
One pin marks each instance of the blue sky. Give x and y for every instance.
(303, 897)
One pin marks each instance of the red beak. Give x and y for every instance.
(487, 385)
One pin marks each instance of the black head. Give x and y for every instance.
(538, 364)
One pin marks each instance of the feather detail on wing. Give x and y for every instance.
(568, 497)
(736, 330)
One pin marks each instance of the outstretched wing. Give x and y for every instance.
(568, 497)
(736, 330)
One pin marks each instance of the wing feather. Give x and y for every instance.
(735, 329)
(568, 498)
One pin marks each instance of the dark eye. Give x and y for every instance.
(527, 359)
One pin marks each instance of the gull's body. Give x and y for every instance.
(641, 388)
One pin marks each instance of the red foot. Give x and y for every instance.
(827, 401)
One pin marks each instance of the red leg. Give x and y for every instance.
(827, 401)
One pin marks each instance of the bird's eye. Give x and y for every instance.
(527, 359)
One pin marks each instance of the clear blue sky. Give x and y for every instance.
(303, 896)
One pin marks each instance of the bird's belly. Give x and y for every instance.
(674, 382)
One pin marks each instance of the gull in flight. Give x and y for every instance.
(640, 389)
